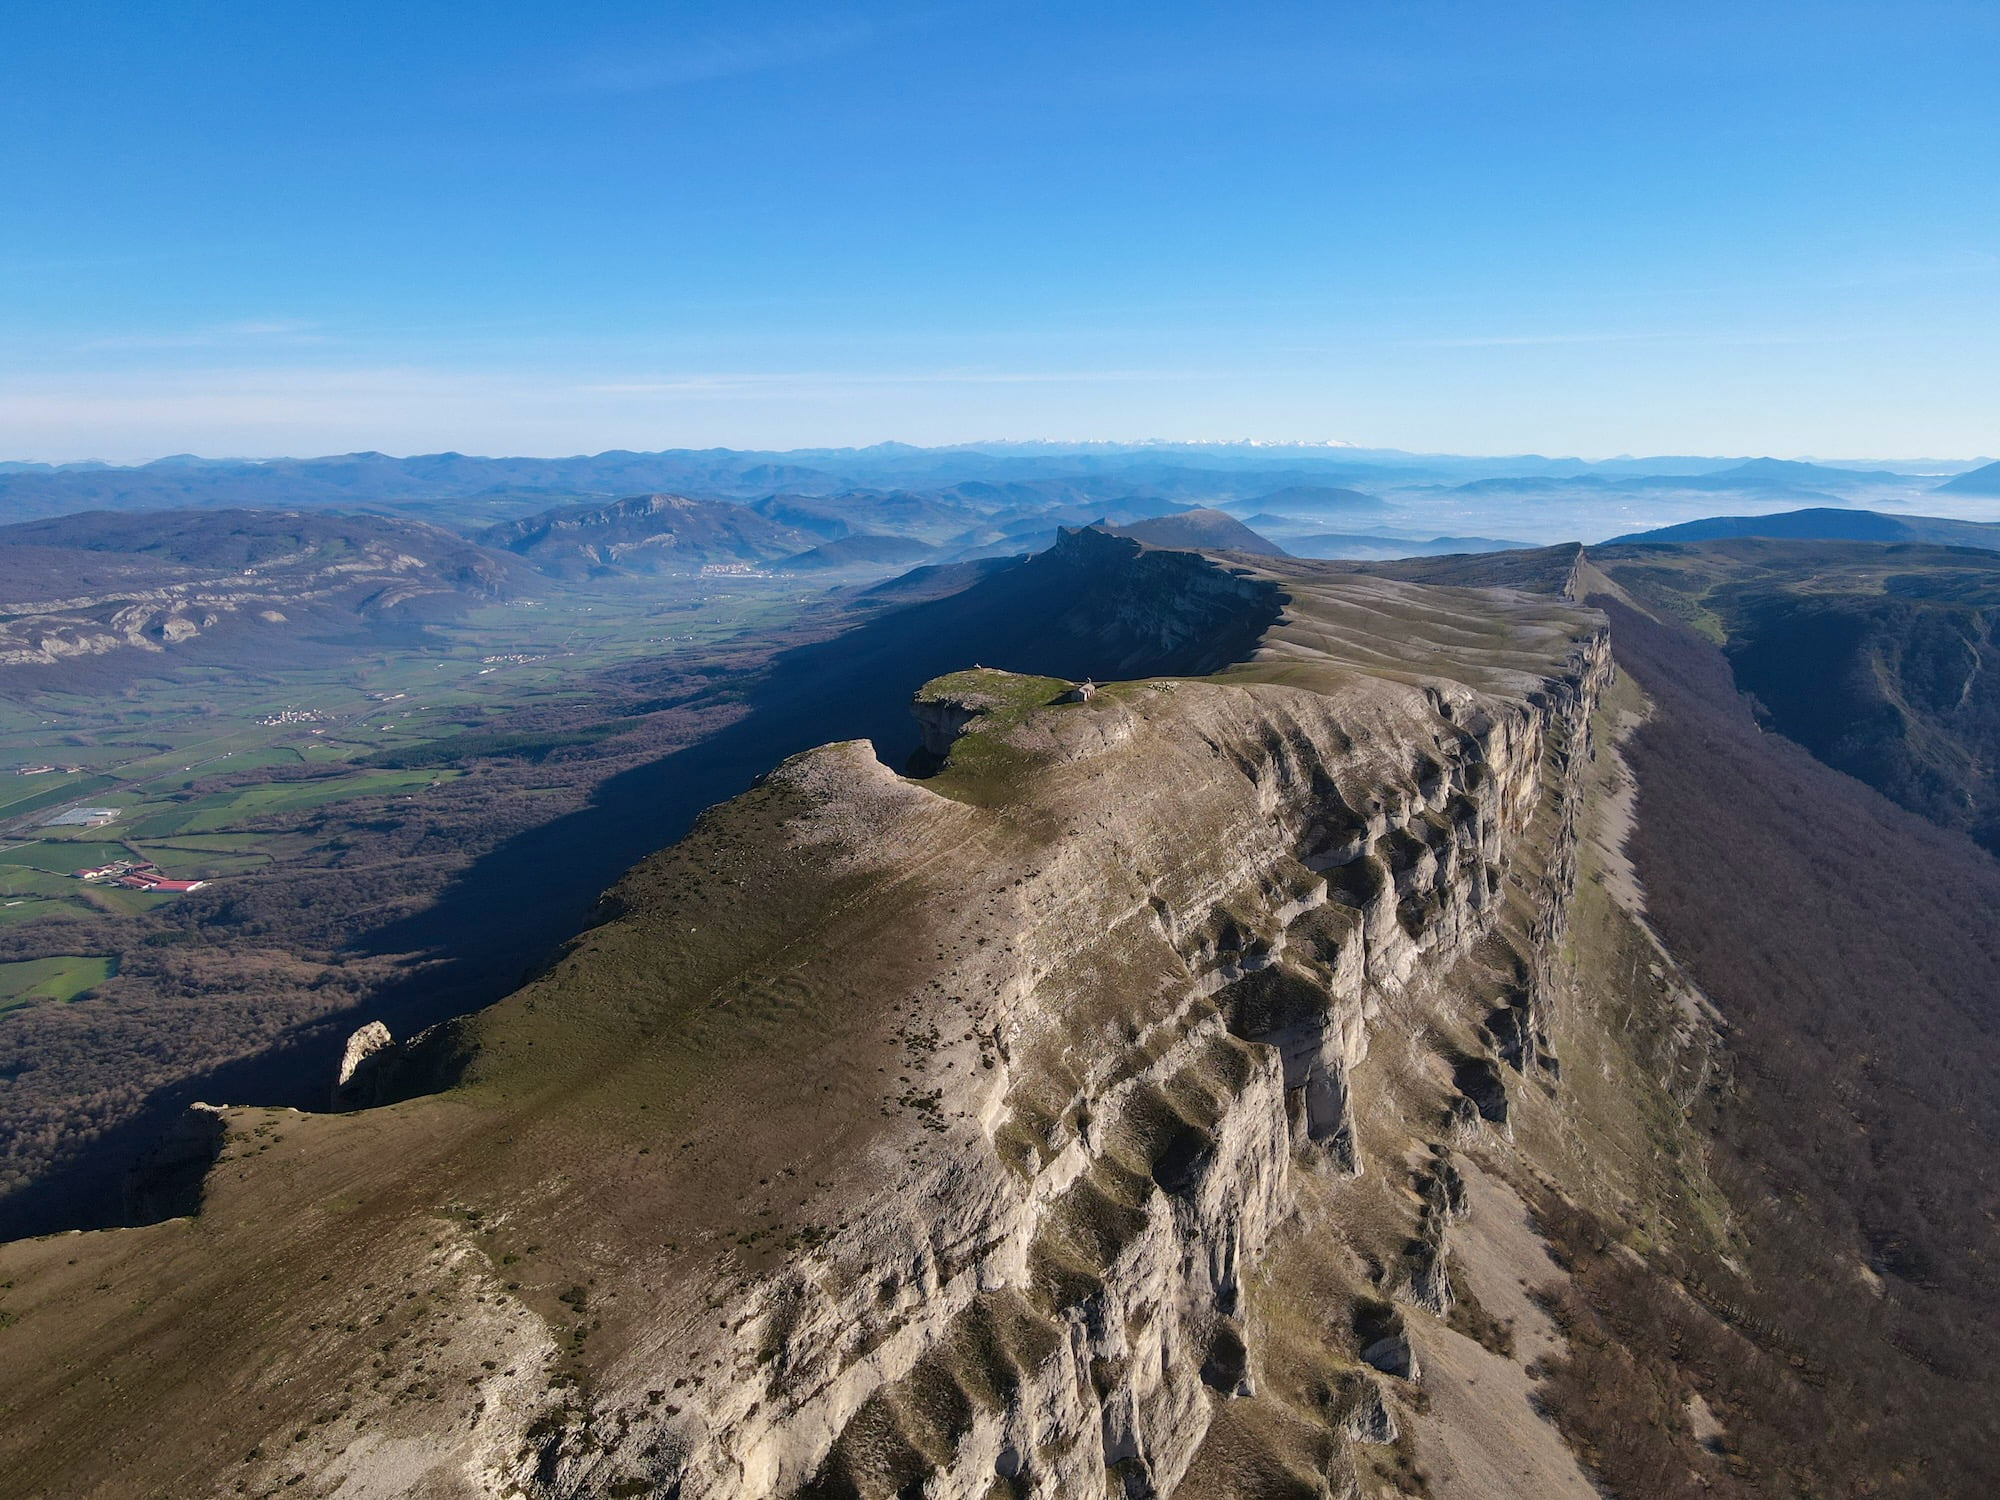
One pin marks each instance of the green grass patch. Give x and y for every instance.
(213, 843)
(59, 979)
(26, 880)
(982, 764)
(201, 864)
(995, 693)
(317, 752)
(121, 901)
(16, 910)
(61, 856)
(38, 792)
(167, 822)
(226, 765)
(206, 750)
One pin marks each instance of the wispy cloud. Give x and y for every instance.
(701, 58)
(809, 382)
(1560, 340)
(257, 331)
(1529, 340)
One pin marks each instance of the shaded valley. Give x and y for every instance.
(1872, 655)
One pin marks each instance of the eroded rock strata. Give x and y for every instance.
(1080, 1119)
(1140, 1072)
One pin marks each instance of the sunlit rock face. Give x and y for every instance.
(1144, 1034)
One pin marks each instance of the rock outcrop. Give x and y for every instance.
(354, 1084)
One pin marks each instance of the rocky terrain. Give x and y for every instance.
(1069, 1034)
(1233, 1085)
(100, 584)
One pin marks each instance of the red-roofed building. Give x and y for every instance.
(143, 876)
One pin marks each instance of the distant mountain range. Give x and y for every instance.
(860, 549)
(975, 480)
(1828, 524)
(1372, 546)
(1771, 478)
(1310, 501)
(932, 518)
(377, 480)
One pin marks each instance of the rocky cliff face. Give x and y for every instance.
(1098, 1115)
(1055, 1291)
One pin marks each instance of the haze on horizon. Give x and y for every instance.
(1555, 228)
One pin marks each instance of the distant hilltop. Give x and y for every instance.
(1830, 524)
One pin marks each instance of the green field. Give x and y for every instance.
(119, 900)
(31, 793)
(51, 979)
(201, 864)
(214, 843)
(61, 856)
(15, 910)
(27, 880)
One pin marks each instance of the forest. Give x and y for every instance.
(1851, 947)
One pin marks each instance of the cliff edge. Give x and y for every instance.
(1147, 1102)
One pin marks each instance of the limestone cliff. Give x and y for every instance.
(1166, 1042)
(1098, 1115)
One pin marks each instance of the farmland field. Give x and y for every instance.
(59, 856)
(55, 979)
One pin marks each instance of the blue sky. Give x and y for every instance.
(1433, 224)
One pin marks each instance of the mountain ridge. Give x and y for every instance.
(821, 848)
(645, 534)
(150, 583)
(1980, 481)
(1828, 524)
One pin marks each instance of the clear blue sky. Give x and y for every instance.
(1436, 224)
